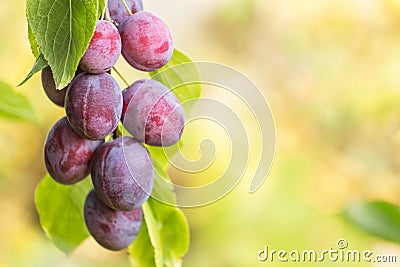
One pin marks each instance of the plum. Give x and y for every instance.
(104, 49)
(118, 11)
(112, 229)
(122, 173)
(94, 105)
(146, 41)
(152, 113)
(49, 86)
(67, 155)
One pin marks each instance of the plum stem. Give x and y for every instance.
(127, 8)
(120, 75)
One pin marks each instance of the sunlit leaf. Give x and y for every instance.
(60, 209)
(141, 250)
(168, 231)
(163, 189)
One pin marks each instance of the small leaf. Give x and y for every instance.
(15, 106)
(40, 64)
(183, 80)
(63, 29)
(378, 218)
(33, 43)
(141, 250)
(168, 231)
(60, 209)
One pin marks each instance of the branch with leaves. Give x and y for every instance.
(60, 33)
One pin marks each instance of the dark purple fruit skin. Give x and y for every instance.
(104, 49)
(112, 229)
(146, 41)
(118, 11)
(152, 113)
(67, 155)
(122, 173)
(49, 86)
(94, 105)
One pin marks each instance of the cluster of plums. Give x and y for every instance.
(121, 169)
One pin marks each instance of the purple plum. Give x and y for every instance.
(67, 155)
(118, 11)
(146, 41)
(122, 173)
(94, 105)
(152, 113)
(112, 229)
(104, 49)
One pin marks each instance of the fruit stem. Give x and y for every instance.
(127, 8)
(120, 75)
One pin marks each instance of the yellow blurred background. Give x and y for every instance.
(331, 73)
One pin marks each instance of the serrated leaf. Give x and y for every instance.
(60, 209)
(15, 106)
(63, 29)
(33, 43)
(378, 218)
(183, 80)
(168, 231)
(40, 64)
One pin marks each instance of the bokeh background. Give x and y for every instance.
(331, 73)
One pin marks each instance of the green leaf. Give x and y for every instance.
(33, 43)
(168, 231)
(141, 250)
(100, 8)
(183, 80)
(161, 154)
(154, 228)
(153, 246)
(63, 29)
(378, 218)
(163, 189)
(40, 64)
(15, 106)
(60, 209)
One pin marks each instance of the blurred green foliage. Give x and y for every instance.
(15, 106)
(377, 218)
